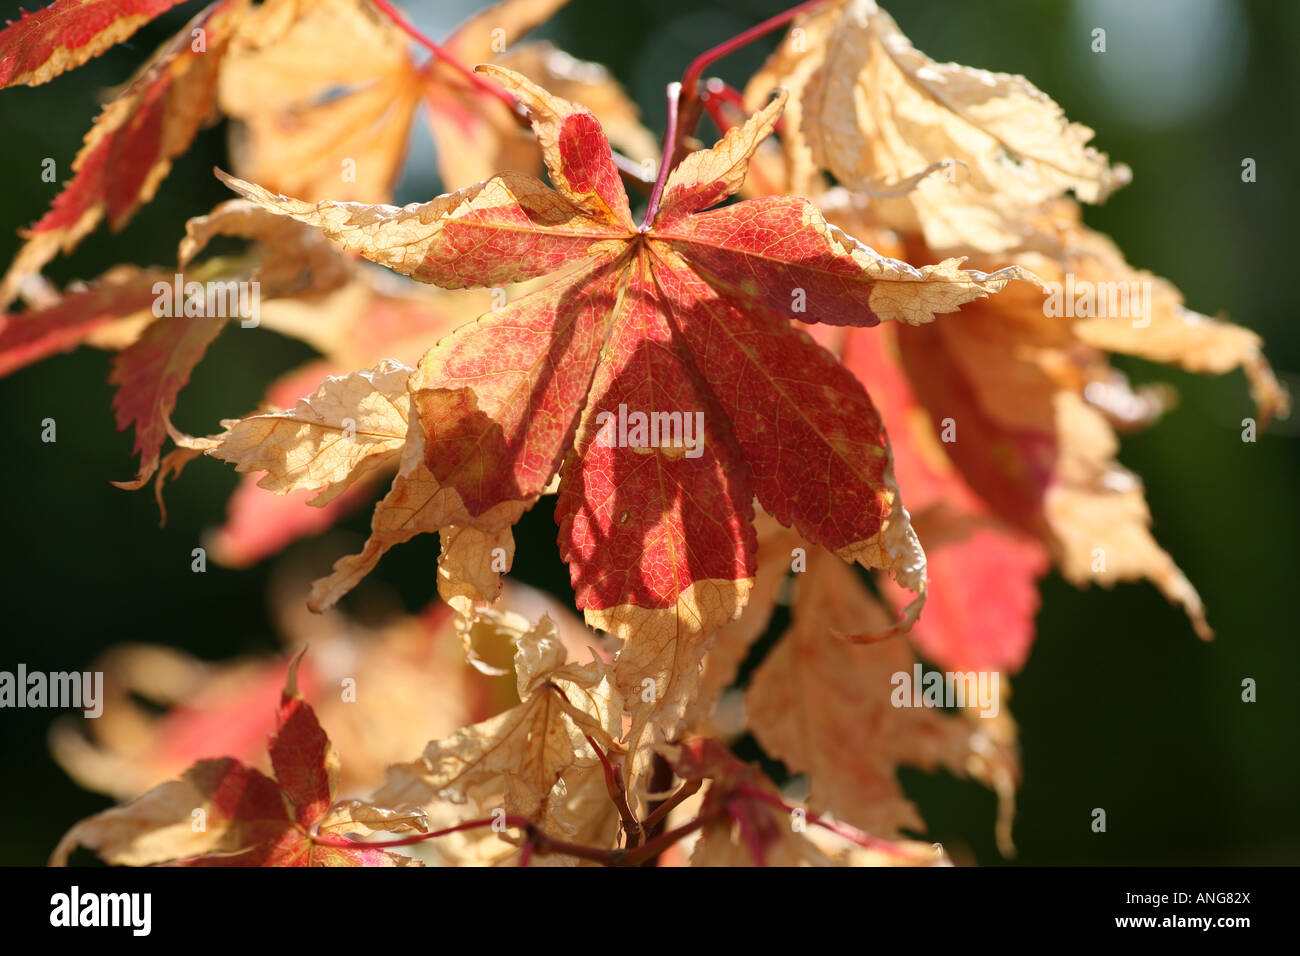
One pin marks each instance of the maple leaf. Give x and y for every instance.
(355, 326)
(823, 706)
(689, 313)
(114, 309)
(982, 592)
(67, 33)
(1163, 329)
(749, 824)
(263, 66)
(164, 709)
(474, 135)
(324, 96)
(981, 596)
(108, 312)
(284, 261)
(351, 426)
(249, 818)
(581, 82)
(1038, 402)
(1036, 447)
(960, 155)
(129, 150)
(312, 292)
(149, 375)
(821, 699)
(151, 371)
(533, 753)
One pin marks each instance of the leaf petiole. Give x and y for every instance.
(666, 163)
(474, 80)
(685, 103)
(691, 78)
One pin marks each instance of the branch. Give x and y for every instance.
(343, 842)
(652, 848)
(688, 789)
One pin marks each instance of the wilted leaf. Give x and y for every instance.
(963, 156)
(163, 709)
(526, 751)
(355, 326)
(351, 426)
(287, 261)
(982, 595)
(150, 374)
(123, 296)
(324, 95)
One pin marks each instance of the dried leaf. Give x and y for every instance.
(351, 426)
(324, 95)
(982, 594)
(527, 750)
(970, 153)
(150, 374)
(123, 297)
(751, 825)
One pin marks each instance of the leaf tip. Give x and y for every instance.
(290, 691)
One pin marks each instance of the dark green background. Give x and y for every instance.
(1121, 707)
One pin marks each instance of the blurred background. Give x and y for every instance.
(1120, 706)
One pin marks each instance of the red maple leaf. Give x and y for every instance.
(129, 149)
(248, 818)
(687, 315)
(67, 33)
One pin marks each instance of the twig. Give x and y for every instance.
(342, 842)
(618, 794)
(688, 789)
(652, 848)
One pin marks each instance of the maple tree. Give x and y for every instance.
(852, 264)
